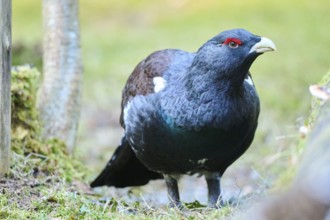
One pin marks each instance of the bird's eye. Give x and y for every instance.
(233, 44)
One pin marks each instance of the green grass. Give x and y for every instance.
(116, 35)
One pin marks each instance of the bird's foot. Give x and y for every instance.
(216, 205)
(176, 204)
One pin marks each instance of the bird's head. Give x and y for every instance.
(232, 52)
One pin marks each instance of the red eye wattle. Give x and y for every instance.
(233, 42)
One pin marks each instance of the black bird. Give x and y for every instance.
(187, 113)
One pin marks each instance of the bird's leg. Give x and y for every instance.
(213, 185)
(173, 191)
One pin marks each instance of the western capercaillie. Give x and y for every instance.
(186, 113)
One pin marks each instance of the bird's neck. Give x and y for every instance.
(215, 83)
(205, 77)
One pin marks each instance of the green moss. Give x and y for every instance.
(39, 185)
(26, 140)
(25, 127)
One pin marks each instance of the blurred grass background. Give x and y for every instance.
(116, 35)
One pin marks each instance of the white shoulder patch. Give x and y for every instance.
(249, 80)
(159, 83)
(128, 105)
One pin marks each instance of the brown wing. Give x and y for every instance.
(140, 82)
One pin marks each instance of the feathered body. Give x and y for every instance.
(192, 125)
(186, 113)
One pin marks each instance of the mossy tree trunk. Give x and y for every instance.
(59, 94)
(5, 66)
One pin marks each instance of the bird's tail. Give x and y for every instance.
(124, 169)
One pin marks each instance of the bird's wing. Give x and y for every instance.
(124, 169)
(140, 82)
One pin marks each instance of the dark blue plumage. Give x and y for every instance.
(187, 113)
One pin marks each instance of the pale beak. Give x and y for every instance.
(264, 45)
